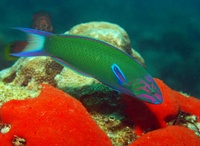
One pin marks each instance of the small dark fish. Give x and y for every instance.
(42, 21)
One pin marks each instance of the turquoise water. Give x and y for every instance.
(165, 32)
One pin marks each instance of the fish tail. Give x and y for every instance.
(35, 46)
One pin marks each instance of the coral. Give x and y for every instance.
(78, 85)
(52, 118)
(9, 92)
(32, 71)
(172, 135)
(106, 109)
(108, 32)
(117, 128)
(189, 121)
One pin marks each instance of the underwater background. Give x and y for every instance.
(165, 32)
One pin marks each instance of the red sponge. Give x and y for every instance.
(170, 136)
(53, 118)
(188, 104)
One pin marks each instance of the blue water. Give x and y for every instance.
(165, 32)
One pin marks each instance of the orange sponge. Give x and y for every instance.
(170, 136)
(53, 118)
(188, 104)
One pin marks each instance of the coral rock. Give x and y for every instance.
(52, 118)
(78, 85)
(9, 92)
(172, 135)
(32, 71)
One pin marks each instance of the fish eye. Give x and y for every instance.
(152, 91)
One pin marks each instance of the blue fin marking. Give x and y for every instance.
(119, 74)
(30, 53)
(33, 31)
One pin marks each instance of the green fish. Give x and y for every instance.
(94, 58)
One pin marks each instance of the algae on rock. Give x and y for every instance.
(9, 92)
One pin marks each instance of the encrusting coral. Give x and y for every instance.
(31, 72)
(78, 85)
(9, 92)
(107, 110)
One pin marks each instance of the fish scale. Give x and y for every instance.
(97, 59)
(88, 51)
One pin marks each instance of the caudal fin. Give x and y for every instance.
(36, 39)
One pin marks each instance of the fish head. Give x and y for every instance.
(146, 89)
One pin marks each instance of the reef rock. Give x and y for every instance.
(78, 85)
(32, 71)
(8, 92)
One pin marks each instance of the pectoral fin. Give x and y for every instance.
(119, 74)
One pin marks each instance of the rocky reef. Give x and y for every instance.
(33, 105)
(125, 120)
(31, 72)
(9, 92)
